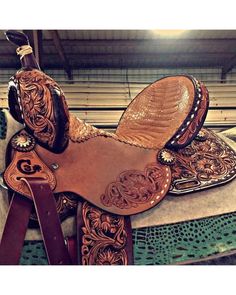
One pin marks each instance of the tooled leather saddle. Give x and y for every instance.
(58, 164)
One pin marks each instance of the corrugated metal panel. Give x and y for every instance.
(214, 117)
(130, 75)
(118, 95)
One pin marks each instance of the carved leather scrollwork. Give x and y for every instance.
(44, 109)
(25, 167)
(133, 187)
(104, 237)
(207, 162)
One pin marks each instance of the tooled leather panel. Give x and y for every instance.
(203, 164)
(194, 121)
(27, 164)
(155, 115)
(104, 237)
(39, 110)
(134, 188)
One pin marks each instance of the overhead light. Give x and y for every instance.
(168, 33)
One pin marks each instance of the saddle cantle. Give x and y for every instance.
(157, 148)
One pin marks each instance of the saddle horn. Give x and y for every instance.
(36, 100)
(17, 38)
(24, 49)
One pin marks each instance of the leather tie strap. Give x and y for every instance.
(15, 229)
(50, 226)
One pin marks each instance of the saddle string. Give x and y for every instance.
(24, 50)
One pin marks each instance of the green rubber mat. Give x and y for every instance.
(3, 125)
(33, 253)
(192, 240)
(168, 244)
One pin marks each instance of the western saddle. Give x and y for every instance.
(58, 165)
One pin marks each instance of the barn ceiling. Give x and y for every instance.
(76, 49)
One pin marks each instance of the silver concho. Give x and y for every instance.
(166, 157)
(23, 142)
(201, 136)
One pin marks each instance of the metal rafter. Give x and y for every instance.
(61, 52)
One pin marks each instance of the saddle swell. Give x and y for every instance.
(42, 106)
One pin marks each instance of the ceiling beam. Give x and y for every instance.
(152, 54)
(82, 65)
(147, 43)
(202, 45)
(60, 51)
(128, 60)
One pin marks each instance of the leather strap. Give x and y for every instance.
(15, 229)
(71, 243)
(49, 222)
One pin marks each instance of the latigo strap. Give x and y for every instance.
(17, 222)
(49, 222)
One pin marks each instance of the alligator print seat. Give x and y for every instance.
(156, 149)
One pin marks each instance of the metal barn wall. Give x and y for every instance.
(100, 96)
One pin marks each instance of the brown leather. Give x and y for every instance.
(103, 164)
(17, 223)
(43, 108)
(162, 112)
(206, 162)
(71, 244)
(50, 226)
(157, 112)
(194, 121)
(27, 164)
(103, 238)
(15, 229)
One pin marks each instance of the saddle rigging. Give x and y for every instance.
(159, 147)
